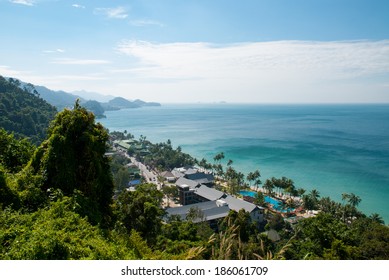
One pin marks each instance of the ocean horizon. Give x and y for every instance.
(334, 148)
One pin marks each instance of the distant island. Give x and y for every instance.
(61, 99)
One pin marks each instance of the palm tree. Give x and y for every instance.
(256, 176)
(354, 200)
(345, 196)
(240, 178)
(314, 194)
(308, 202)
(311, 200)
(289, 204)
(218, 157)
(268, 186)
(376, 218)
(300, 192)
(219, 170)
(250, 177)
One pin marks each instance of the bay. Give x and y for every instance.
(333, 148)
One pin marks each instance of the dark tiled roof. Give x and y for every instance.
(200, 177)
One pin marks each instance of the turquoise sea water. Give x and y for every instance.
(333, 148)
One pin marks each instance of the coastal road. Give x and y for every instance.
(150, 176)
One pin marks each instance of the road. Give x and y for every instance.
(150, 176)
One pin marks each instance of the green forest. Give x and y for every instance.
(23, 112)
(57, 202)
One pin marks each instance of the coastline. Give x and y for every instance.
(333, 149)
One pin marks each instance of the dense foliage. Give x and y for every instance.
(23, 112)
(163, 156)
(72, 160)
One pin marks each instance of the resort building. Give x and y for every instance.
(201, 178)
(193, 194)
(256, 212)
(168, 176)
(186, 189)
(211, 212)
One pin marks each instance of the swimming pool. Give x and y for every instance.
(277, 205)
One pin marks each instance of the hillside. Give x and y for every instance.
(60, 99)
(119, 103)
(23, 112)
(91, 100)
(87, 95)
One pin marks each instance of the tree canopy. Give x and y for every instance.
(72, 159)
(23, 112)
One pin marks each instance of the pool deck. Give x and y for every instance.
(283, 198)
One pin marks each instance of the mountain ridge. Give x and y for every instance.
(62, 99)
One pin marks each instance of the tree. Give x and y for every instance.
(218, 157)
(121, 178)
(7, 196)
(14, 154)
(314, 194)
(354, 200)
(195, 214)
(57, 233)
(250, 177)
(268, 186)
(23, 112)
(72, 159)
(377, 218)
(300, 192)
(259, 199)
(140, 210)
(171, 192)
(254, 176)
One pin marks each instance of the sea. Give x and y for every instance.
(332, 148)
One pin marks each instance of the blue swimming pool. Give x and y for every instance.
(277, 205)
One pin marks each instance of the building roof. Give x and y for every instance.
(201, 177)
(210, 210)
(191, 171)
(177, 173)
(167, 174)
(123, 144)
(184, 181)
(237, 204)
(209, 193)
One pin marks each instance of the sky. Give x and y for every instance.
(189, 51)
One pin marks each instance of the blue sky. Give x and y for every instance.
(275, 51)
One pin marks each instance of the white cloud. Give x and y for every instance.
(71, 61)
(146, 22)
(280, 71)
(78, 6)
(23, 2)
(324, 60)
(115, 13)
(54, 51)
